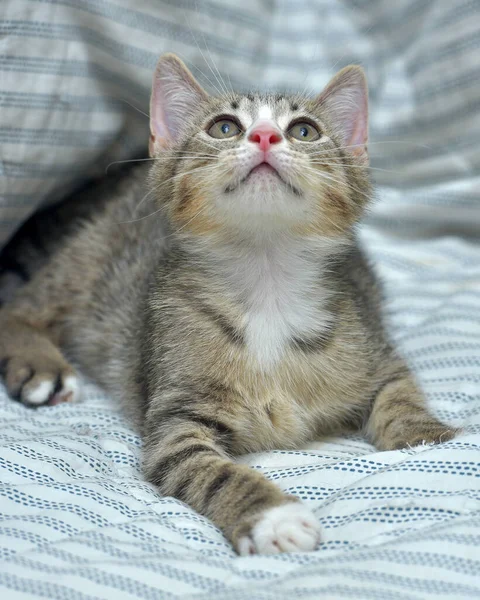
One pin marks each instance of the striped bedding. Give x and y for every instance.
(76, 519)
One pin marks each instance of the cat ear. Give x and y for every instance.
(175, 96)
(346, 101)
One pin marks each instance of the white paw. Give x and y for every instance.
(69, 392)
(40, 391)
(288, 528)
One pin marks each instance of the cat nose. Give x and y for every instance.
(265, 136)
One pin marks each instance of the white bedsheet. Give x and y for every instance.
(78, 521)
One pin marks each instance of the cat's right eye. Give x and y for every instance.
(224, 128)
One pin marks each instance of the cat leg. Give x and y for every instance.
(33, 367)
(399, 416)
(187, 456)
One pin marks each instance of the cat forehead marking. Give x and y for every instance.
(264, 112)
(278, 115)
(253, 109)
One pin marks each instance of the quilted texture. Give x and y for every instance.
(77, 521)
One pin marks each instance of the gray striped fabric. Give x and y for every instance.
(76, 77)
(77, 521)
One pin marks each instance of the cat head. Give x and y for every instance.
(257, 163)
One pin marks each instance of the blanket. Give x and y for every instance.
(77, 519)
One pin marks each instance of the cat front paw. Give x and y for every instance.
(291, 527)
(40, 379)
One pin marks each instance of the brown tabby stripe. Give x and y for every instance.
(222, 322)
(315, 344)
(225, 474)
(170, 463)
(223, 432)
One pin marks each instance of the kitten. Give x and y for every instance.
(241, 317)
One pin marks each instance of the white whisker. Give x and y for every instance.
(219, 78)
(157, 188)
(330, 164)
(336, 181)
(134, 107)
(154, 158)
(220, 91)
(187, 223)
(329, 151)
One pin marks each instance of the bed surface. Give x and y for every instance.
(77, 520)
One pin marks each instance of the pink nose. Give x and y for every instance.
(265, 136)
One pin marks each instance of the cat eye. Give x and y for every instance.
(304, 132)
(224, 128)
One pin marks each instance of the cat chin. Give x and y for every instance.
(262, 201)
(260, 214)
(263, 181)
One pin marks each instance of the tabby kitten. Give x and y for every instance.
(240, 317)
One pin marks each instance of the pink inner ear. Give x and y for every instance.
(346, 101)
(349, 110)
(359, 128)
(158, 120)
(159, 134)
(175, 98)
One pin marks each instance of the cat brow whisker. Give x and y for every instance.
(187, 20)
(221, 90)
(231, 85)
(224, 91)
(219, 78)
(134, 107)
(210, 82)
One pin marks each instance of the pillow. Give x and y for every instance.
(76, 82)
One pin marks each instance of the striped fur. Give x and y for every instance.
(241, 317)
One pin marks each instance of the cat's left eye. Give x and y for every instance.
(224, 128)
(304, 132)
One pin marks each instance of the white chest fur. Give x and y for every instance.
(281, 290)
